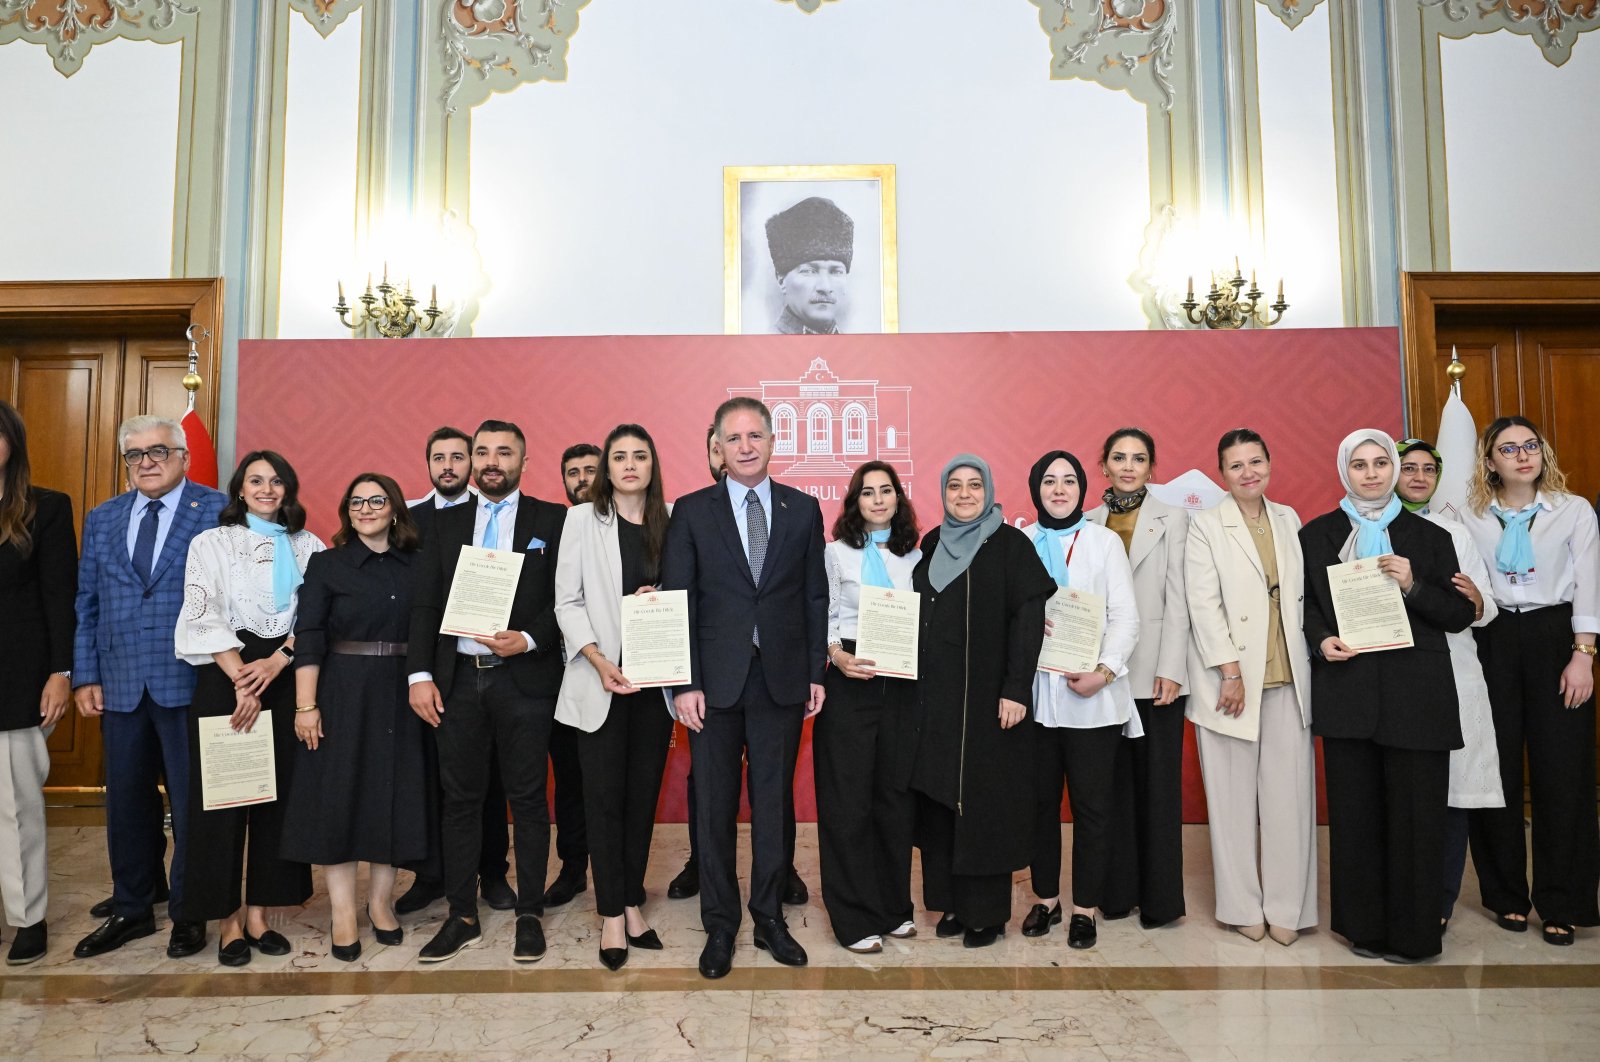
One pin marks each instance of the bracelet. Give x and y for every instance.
(1586, 650)
(305, 708)
(1232, 678)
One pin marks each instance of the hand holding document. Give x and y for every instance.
(1369, 608)
(481, 593)
(886, 632)
(1078, 619)
(237, 768)
(655, 638)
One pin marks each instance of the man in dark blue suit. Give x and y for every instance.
(749, 552)
(125, 670)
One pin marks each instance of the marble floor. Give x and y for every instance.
(1192, 990)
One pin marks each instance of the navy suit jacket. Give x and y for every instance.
(125, 631)
(705, 556)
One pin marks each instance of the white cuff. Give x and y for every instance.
(419, 676)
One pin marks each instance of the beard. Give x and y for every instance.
(451, 492)
(512, 478)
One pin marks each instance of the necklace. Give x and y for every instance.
(1256, 521)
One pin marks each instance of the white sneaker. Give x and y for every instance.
(905, 929)
(866, 945)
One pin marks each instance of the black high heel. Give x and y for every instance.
(347, 952)
(389, 937)
(613, 958)
(646, 940)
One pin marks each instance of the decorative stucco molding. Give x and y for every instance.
(1128, 45)
(1290, 12)
(504, 43)
(1554, 25)
(68, 29)
(325, 15)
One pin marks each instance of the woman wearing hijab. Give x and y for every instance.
(1078, 718)
(1541, 545)
(983, 593)
(1388, 719)
(1250, 698)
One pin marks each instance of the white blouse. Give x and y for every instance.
(1566, 559)
(1096, 562)
(227, 587)
(844, 584)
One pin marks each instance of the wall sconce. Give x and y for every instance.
(393, 313)
(1230, 306)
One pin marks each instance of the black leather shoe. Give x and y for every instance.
(269, 943)
(1155, 923)
(346, 952)
(497, 893)
(112, 934)
(794, 890)
(613, 958)
(29, 945)
(1367, 951)
(234, 953)
(773, 936)
(565, 887)
(949, 925)
(646, 940)
(1115, 916)
(420, 895)
(1040, 919)
(187, 939)
(454, 935)
(982, 938)
(716, 958)
(1081, 932)
(387, 937)
(687, 883)
(108, 906)
(530, 939)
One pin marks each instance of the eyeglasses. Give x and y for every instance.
(158, 454)
(376, 503)
(1512, 449)
(1409, 469)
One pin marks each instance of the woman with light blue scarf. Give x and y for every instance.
(237, 629)
(1388, 715)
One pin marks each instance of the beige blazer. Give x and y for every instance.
(1228, 612)
(1156, 555)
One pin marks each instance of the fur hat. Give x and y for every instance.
(812, 230)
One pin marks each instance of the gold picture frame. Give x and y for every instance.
(752, 300)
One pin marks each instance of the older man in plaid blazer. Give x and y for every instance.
(126, 671)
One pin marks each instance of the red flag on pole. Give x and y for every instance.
(202, 453)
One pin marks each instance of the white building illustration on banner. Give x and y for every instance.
(824, 426)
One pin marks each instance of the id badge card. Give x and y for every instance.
(1526, 578)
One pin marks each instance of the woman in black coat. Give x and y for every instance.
(1388, 719)
(38, 581)
(983, 593)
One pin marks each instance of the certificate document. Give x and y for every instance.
(1078, 618)
(482, 592)
(655, 638)
(236, 769)
(1369, 607)
(886, 630)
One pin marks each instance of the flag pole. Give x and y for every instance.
(1455, 370)
(191, 380)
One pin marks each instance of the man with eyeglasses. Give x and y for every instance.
(126, 671)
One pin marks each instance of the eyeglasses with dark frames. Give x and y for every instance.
(1530, 447)
(376, 503)
(158, 454)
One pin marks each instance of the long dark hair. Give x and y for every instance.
(403, 534)
(602, 494)
(291, 514)
(17, 507)
(851, 528)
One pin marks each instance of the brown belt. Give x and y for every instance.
(368, 648)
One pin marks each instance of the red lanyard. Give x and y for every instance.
(1073, 546)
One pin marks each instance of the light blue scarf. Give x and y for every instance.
(1515, 552)
(1372, 535)
(1048, 546)
(286, 577)
(873, 571)
(1370, 516)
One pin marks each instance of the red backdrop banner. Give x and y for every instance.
(337, 408)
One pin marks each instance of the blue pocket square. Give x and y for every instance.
(535, 543)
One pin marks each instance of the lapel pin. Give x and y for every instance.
(194, 505)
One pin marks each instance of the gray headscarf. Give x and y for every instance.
(959, 540)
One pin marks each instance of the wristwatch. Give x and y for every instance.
(1586, 650)
(288, 654)
(1111, 676)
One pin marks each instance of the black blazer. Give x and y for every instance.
(704, 555)
(1402, 698)
(37, 620)
(537, 673)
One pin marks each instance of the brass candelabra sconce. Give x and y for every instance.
(1230, 306)
(391, 311)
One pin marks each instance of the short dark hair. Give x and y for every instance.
(500, 425)
(291, 514)
(442, 433)
(1236, 437)
(851, 529)
(1126, 433)
(577, 450)
(741, 403)
(403, 534)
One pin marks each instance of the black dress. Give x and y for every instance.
(363, 794)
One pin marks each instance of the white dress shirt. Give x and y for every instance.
(736, 497)
(505, 527)
(1566, 559)
(844, 584)
(168, 504)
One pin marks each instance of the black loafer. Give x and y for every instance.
(1081, 932)
(1040, 919)
(454, 935)
(982, 938)
(716, 958)
(646, 940)
(29, 945)
(112, 934)
(420, 895)
(269, 943)
(530, 939)
(564, 888)
(234, 953)
(794, 889)
(1513, 925)
(613, 958)
(773, 936)
(187, 939)
(686, 884)
(949, 925)
(108, 906)
(1366, 951)
(498, 893)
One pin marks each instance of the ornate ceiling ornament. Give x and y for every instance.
(505, 43)
(69, 28)
(1553, 24)
(1121, 44)
(1290, 12)
(808, 6)
(325, 15)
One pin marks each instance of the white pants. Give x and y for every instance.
(24, 875)
(1273, 781)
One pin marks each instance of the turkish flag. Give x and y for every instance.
(202, 453)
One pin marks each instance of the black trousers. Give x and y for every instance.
(566, 765)
(1087, 759)
(1523, 655)
(864, 820)
(788, 822)
(1147, 840)
(1386, 829)
(979, 901)
(222, 841)
(622, 763)
(495, 844)
(1455, 856)
(486, 718)
(768, 735)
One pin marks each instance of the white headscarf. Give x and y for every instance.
(1371, 508)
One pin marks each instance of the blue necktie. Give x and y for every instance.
(755, 518)
(144, 547)
(491, 530)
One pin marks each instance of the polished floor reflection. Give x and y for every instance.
(1192, 990)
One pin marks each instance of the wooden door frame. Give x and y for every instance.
(1424, 295)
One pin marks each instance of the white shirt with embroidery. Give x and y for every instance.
(227, 587)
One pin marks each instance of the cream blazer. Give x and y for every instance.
(1156, 555)
(588, 609)
(1229, 609)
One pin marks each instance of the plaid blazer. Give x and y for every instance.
(125, 627)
